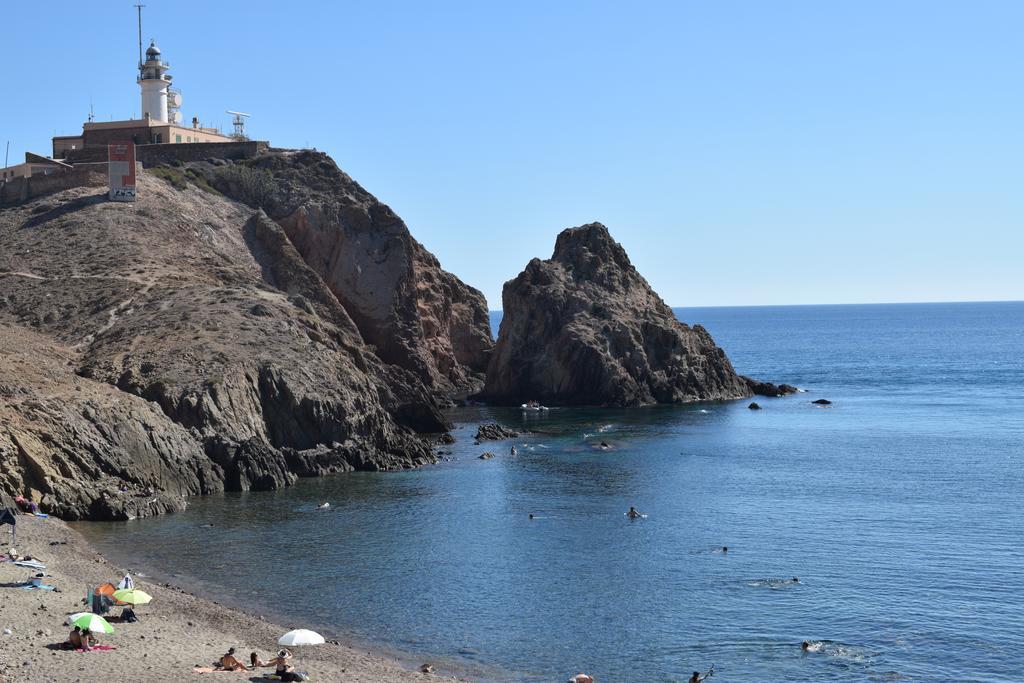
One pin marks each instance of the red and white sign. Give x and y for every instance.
(121, 171)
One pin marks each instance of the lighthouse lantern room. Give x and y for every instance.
(154, 81)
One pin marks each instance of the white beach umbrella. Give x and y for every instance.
(299, 637)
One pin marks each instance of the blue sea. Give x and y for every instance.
(899, 509)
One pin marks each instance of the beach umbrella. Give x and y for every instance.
(133, 596)
(90, 621)
(299, 637)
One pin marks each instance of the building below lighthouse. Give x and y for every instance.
(160, 122)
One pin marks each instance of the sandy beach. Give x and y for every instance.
(176, 631)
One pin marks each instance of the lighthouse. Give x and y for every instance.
(154, 81)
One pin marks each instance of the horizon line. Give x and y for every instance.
(847, 303)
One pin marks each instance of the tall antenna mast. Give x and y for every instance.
(139, 7)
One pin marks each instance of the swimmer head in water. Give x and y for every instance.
(805, 646)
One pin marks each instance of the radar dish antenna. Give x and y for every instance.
(239, 123)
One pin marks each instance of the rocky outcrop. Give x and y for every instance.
(188, 343)
(584, 327)
(72, 444)
(494, 432)
(768, 389)
(414, 314)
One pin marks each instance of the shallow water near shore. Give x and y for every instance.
(898, 508)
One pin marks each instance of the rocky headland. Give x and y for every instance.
(585, 328)
(249, 322)
(240, 325)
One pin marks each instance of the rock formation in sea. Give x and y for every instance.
(241, 324)
(493, 431)
(584, 327)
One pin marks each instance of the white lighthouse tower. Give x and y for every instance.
(154, 81)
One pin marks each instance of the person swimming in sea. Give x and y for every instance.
(514, 452)
(805, 646)
(699, 677)
(323, 506)
(633, 513)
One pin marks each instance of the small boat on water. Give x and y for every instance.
(533, 406)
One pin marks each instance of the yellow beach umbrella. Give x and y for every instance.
(91, 622)
(132, 596)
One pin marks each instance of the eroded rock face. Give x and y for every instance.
(414, 314)
(584, 327)
(184, 345)
(70, 442)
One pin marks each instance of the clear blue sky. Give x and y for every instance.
(743, 152)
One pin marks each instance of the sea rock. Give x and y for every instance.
(494, 432)
(769, 389)
(584, 327)
(486, 456)
(822, 402)
(190, 343)
(754, 406)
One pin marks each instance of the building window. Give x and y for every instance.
(188, 139)
(177, 138)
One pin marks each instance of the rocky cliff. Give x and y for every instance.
(191, 342)
(414, 314)
(584, 327)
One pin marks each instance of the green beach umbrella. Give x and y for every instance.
(90, 621)
(132, 596)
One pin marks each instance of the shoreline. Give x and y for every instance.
(175, 632)
(221, 594)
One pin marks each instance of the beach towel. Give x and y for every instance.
(31, 564)
(212, 670)
(97, 648)
(32, 585)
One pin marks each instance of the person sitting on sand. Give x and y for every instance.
(74, 639)
(633, 513)
(283, 668)
(89, 641)
(255, 660)
(230, 663)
